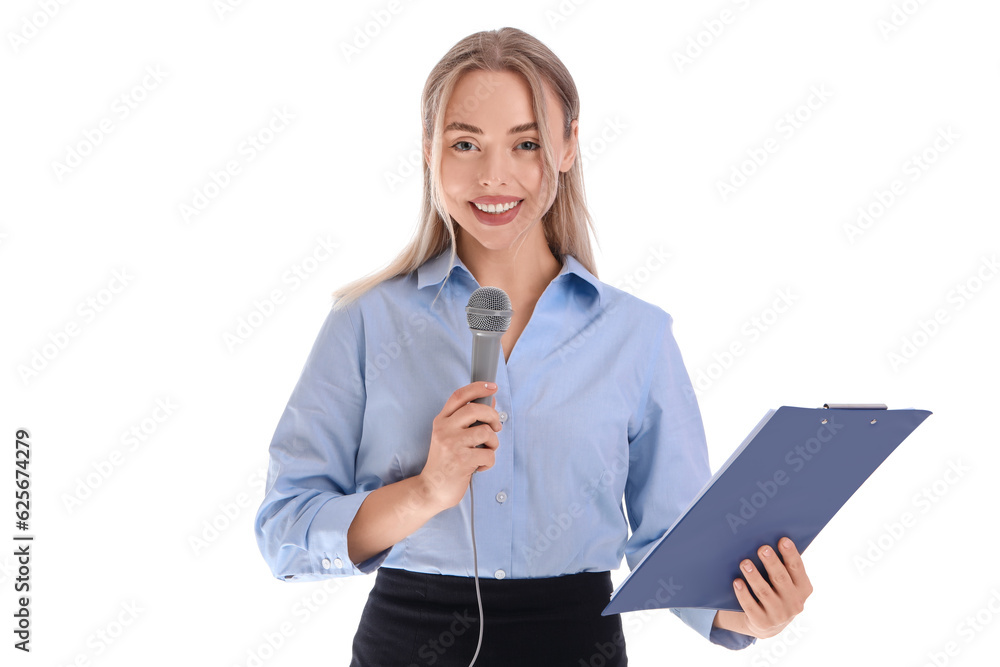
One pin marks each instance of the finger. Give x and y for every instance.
(466, 394)
(765, 594)
(781, 581)
(751, 608)
(794, 565)
(480, 436)
(473, 414)
(486, 463)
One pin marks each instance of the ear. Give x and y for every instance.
(569, 154)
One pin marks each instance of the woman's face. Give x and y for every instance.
(484, 162)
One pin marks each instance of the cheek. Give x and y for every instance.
(531, 172)
(450, 174)
(453, 187)
(533, 180)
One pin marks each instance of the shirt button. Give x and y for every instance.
(339, 563)
(326, 563)
(503, 416)
(501, 497)
(499, 574)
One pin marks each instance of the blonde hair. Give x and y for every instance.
(565, 223)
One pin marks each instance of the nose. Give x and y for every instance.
(496, 168)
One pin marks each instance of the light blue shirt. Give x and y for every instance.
(595, 403)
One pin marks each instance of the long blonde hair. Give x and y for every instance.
(566, 222)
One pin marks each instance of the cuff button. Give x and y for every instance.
(326, 563)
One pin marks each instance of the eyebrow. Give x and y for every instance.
(466, 127)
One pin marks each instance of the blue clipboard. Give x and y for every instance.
(793, 472)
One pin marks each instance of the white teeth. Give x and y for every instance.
(496, 208)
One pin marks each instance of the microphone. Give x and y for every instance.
(488, 314)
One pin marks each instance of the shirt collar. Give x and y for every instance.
(434, 271)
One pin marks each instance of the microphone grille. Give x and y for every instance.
(489, 310)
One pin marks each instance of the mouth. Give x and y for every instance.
(496, 214)
(495, 206)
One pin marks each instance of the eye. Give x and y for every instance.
(455, 147)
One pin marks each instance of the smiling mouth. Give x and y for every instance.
(497, 209)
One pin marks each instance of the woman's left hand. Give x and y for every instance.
(782, 599)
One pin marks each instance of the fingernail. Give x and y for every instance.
(766, 552)
(748, 566)
(490, 385)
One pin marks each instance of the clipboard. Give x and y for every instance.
(791, 474)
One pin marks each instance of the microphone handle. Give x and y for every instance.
(485, 355)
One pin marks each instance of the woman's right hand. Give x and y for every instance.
(453, 455)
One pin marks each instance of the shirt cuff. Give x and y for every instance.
(700, 620)
(326, 543)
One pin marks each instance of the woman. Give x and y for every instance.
(368, 471)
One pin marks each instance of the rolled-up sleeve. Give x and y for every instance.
(310, 497)
(668, 466)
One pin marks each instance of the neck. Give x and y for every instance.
(528, 272)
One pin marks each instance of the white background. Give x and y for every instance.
(660, 136)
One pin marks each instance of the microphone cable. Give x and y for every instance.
(475, 567)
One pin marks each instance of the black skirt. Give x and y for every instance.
(414, 619)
